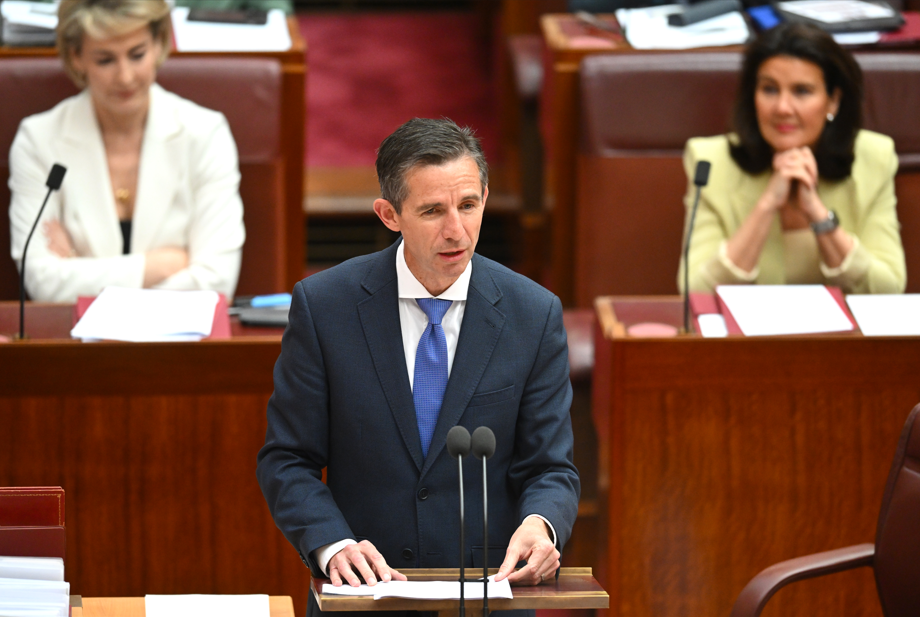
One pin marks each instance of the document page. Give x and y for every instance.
(208, 36)
(146, 315)
(198, 605)
(648, 28)
(887, 315)
(765, 310)
(423, 590)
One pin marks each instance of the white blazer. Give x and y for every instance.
(187, 196)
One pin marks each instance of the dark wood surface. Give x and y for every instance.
(720, 457)
(155, 445)
(293, 112)
(574, 589)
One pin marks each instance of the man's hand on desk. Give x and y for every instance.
(532, 542)
(361, 559)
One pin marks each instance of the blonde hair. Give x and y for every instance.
(102, 19)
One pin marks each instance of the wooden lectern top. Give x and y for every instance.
(575, 588)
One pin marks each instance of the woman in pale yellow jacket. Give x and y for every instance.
(798, 194)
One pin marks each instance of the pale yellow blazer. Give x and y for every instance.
(187, 196)
(864, 202)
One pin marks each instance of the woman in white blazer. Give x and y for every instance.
(151, 194)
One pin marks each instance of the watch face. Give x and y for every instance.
(827, 225)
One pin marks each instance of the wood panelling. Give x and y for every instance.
(724, 456)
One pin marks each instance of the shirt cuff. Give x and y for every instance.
(738, 273)
(548, 524)
(844, 265)
(324, 554)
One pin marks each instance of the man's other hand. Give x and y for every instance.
(360, 559)
(531, 542)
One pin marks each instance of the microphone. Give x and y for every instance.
(458, 446)
(700, 179)
(55, 178)
(483, 446)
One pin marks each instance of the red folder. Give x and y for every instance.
(220, 329)
(704, 303)
(32, 522)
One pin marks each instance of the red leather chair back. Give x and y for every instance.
(246, 90)
(897, 540)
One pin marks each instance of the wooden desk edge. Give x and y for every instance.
(278, 606)
(575, 600)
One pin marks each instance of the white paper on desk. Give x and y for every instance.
(857, 38)
(208, 36)
(648, 28)
(765, 310)
(147, 315)
(32, 14)
(34, 568)
(886, 315)
(836, 11)
(712, 325)
(201, 605)
(423, 590)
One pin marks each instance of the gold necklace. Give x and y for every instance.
(123, 196)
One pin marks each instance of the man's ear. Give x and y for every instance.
(485, 196)
(387, 213)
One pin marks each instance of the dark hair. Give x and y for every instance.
(420, 142)
(834, 150)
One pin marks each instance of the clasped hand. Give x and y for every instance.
(794, 183)
(531, 542)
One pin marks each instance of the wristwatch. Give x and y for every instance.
(827, 225)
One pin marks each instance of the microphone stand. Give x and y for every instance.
(700, 179)
(458, 445)
(53, 183)
(483, 447)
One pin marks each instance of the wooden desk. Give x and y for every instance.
(720, 457)
(278, 606)
(293, 113)
(155, 445)
(575, 589)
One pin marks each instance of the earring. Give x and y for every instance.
(830, 117)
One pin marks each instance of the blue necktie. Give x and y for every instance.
(430, 380)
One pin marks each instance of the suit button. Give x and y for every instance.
(423, 493)
(407, 554)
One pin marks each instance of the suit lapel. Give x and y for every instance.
(91, 203)
(479, 333)
(160, 171)
(379, 316)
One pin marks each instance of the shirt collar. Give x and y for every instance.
(409, 286)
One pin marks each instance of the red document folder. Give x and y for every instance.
(32, 522)
(704, 303)
(220, 329)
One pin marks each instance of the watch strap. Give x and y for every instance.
(827, 225)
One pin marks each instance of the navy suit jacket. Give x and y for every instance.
(342, 401)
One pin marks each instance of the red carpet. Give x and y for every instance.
(370, 72)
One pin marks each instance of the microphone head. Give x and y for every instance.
(701, 178)
(483, 442)
(458, 441)
(56, 177)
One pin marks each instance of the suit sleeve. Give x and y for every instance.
(290, 464)
(876, 263)
(50, 278)
(542, 465)
(215, 232)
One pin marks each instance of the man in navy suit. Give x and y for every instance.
(385, 353)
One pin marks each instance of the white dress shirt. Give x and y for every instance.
(412, 322)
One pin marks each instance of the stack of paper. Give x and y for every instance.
(28, 23)
(196, 605)
(764, 310)
(33, 586)
(887, 315)
(423, 590)
(146, 315)
(210, 36)
(648, 28)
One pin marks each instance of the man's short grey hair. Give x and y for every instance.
(421, 142)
